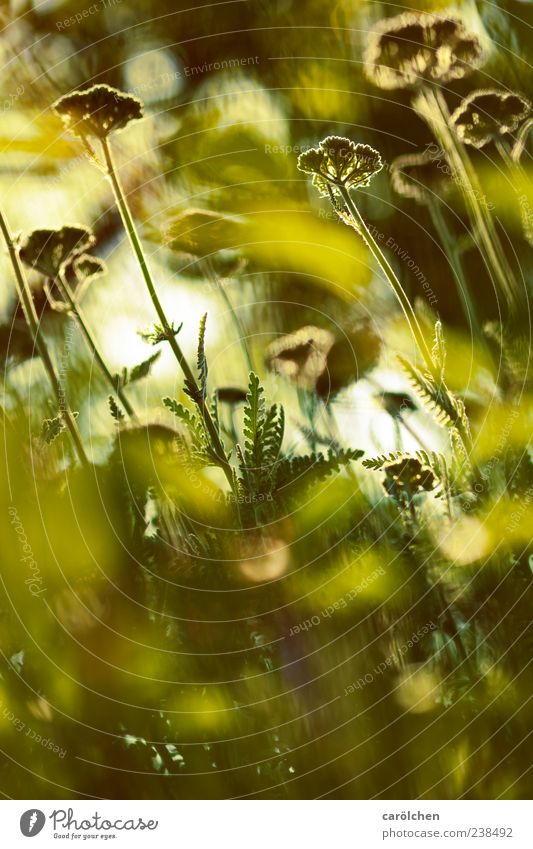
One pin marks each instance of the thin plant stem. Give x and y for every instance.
(398, 418)
(411, 431)
(333, 431)
(490, 245)
(387, 269)
(521, 141)
(450, 626)
(408, 310)
(237, 323)
(468, 173)
(516, 170)
(30, 314)
(92, 344)
(169, 332)
(506, 156)
(452, 251)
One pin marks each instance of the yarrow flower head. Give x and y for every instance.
(315, 360)
(486, 115)
(86, 267)
(410, 49)
(98, 111)
(337, 161)
(48, 251)
(419, 176)
(407, 477)
(301, 357)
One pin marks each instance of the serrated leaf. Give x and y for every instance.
(142, 369)
(310, 468)
(195, 429)
(157, 334)
(180, 411)
(51, 428)
(438, 353)
(114, 409)
(254, 415)
(214, 411)
(377, 463)
(438, 400)
(201, 359)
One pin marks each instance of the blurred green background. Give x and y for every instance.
(154, 647)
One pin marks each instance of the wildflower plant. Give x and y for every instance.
(181, 611)
(405, 478)
(326, 159)
(48, 251)
(301, 357)
(338, 165)
(53, 253)
(423, 53)
(409, 49)
(313, 359)
(338, 162)
(486, 115)
(65, 417)
(419, 177)
(98, 112)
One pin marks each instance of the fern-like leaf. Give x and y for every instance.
(254, 418)
(438, 400)
(377, 463)
(214, 411)
(201, 359)
(157, 334)
(310, 468)
(114, 409)
(435, 461)
(142, 369)
(195, 428)
(438, 353)
(275, 443)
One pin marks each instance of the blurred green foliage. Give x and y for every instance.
(318, 637)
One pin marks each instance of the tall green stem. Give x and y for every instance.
(408, 311)
(521, 141)
(387, 269)
(77, 311)
(239, 327)
(450, 246)
(516, 171)
(170, 335)
(437, 116)
(30, 314)
(506, 156)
